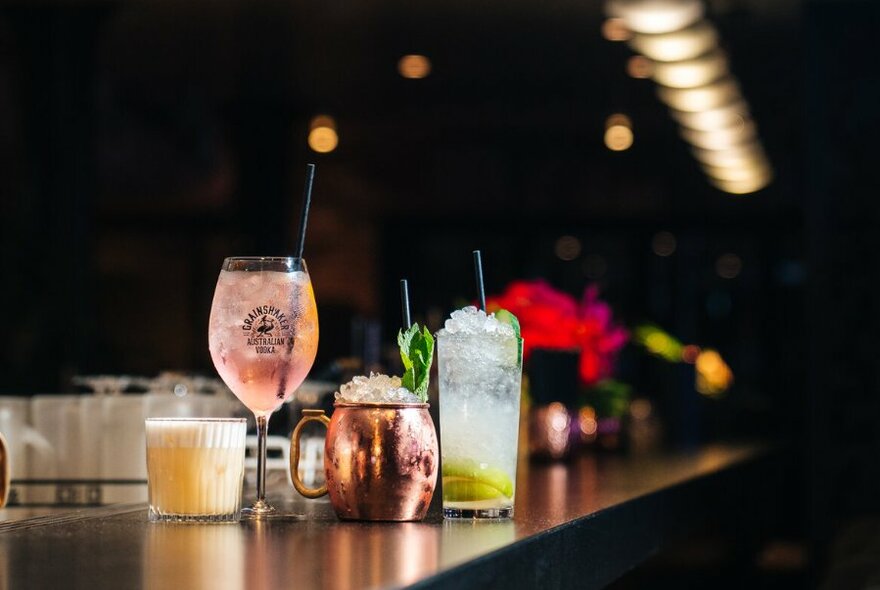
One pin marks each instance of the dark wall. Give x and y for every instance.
(843, 245)
(148, 141)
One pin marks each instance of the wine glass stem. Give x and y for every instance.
(262, 433)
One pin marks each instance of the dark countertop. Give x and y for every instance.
(579, 524)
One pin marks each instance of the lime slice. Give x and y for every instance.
(471, 473)
(461, 489)
(505, 317)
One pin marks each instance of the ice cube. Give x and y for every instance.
(377, 389)
(471, 320)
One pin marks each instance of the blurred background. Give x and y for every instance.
(142, 142)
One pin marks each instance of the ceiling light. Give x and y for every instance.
(719, 118)
(656, 16)
(691, 73)
(721, 139)
(703, 98)
(736, 157)
(687, 43)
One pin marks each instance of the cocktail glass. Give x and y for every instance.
(195, 468)
(263, 337)
(480, 375)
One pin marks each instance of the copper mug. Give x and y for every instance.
(380, 460)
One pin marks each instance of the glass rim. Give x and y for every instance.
(198, 420)
(285, 264)
(266, 258)
(392, 405)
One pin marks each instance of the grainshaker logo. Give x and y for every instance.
(264, 326)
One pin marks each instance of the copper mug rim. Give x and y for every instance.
(396, 405)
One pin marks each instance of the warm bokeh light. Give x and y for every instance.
(567, 248)
(663, 243)
(723, 117)
(744, 173)
(639, 66)
(690, 353)
(680, 50)
(714, 377)
(693, 72)
(721, 139)
(618, 138)
(614, 29)
(743, 187)
(656, 16)
(711, 96)
(414, 66)
(640, 409)
(323, 139)
(587, 424)
(677, 46)
(618, 119)
(741, 156)
(728, 266)
(618, 132)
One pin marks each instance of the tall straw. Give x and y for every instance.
(478, 272)
(304, 214)
(404, 304)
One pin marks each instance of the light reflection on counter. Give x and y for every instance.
(194, 556)
(462, 540)
(389, 551)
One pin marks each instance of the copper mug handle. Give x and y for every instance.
(4, 471)
(308, 416)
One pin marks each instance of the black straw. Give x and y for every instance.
(304, 214)
(404, 304)
(478, 272)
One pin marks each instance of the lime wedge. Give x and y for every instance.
(505, 317)
(465, 472)
(460, 489)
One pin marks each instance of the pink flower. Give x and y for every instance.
(552, 319)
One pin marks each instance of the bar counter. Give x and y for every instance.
(578, 524)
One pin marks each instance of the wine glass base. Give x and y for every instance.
(259, 510)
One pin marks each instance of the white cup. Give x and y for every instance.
(57, 419)
(122, 438)
(25, 446)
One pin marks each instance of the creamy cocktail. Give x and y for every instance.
(195, 468)
(480, 365)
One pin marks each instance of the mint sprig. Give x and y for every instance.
(417, 353)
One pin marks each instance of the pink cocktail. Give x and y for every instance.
(263, 337)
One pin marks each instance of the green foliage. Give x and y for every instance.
(609, 397)
(417, 353)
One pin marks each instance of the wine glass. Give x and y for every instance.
(263, 336)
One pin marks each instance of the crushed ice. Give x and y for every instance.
(471, 320)
(375, 389)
